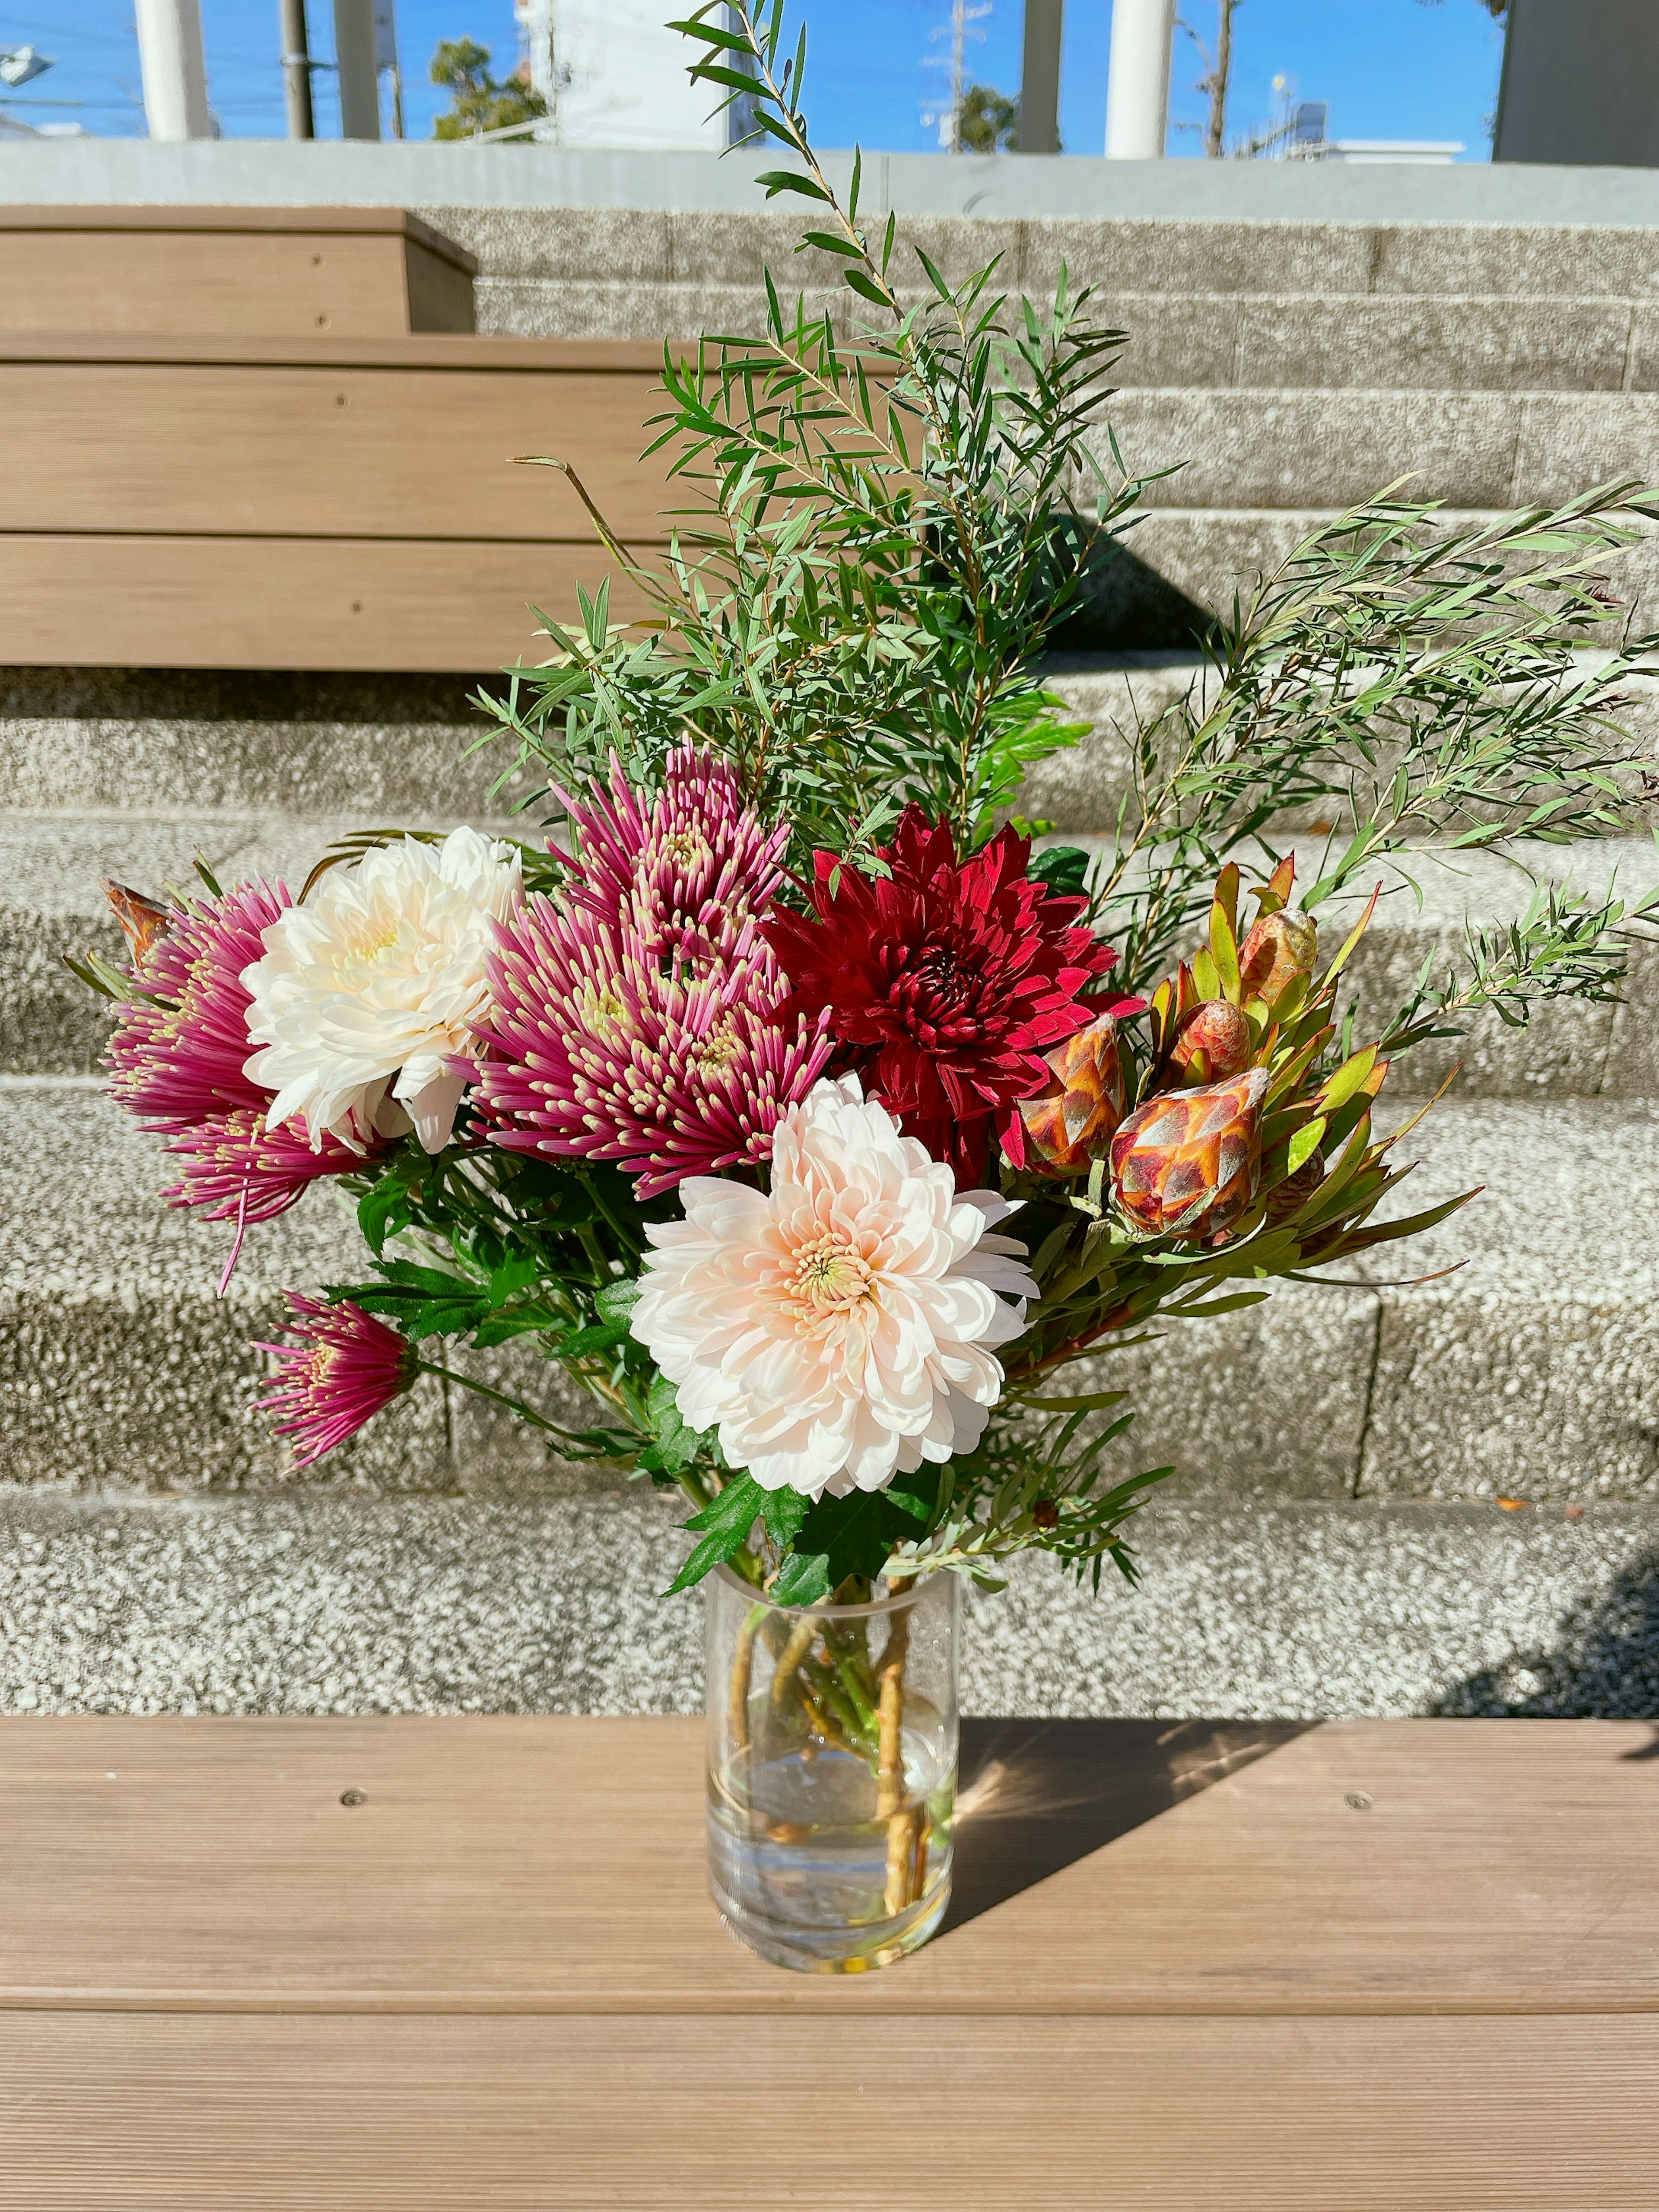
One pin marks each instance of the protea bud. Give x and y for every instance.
(1190, 1162)
(143, 922)
(1280, 948)
(1069, 1124)
(1287, 1199)
(1213, 1043)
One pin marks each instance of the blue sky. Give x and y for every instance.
(1390, 69)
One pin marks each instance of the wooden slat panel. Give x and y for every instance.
(430, 350)
(290, 603)
(557, 1865)
(255, 221)
(171, 281)
(317, 452)
(991, 2115)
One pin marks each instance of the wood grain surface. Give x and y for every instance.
(283, 283)
(274, 2114)
(430, 1966)
(556, 1865)
(272, 449)
(341, 602)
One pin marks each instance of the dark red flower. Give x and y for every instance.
(946, 983)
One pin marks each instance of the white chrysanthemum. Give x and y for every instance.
(839, 1331)
(365, 999)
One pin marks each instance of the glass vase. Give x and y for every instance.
(832, 1771)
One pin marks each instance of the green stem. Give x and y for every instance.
(513, 1405)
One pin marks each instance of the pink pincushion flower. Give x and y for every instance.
(344, 1367)
(634, 1018)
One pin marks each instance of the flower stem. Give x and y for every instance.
(903, 1842)
(468, 1383)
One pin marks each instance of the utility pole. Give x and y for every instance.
(354, 55)
(950, 117)
(296, 69)
(1039, 77)
(1138, 79)
(173, 71)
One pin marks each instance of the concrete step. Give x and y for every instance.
(352, 1605)
(120, 1368)
(1294, 449)
(1252, 259)
(51, 862)
(1533, 1372)
(1448, 340)
(383, 748)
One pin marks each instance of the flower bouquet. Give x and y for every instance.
(788, 1095)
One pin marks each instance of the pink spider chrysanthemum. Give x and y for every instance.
(237, 1168)
(633, 1017)
(682, 872)
(179, 1054)
(343, 1369)
(600, 1054)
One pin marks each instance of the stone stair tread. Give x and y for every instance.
(280, 1605)
(111, 1299)
(1415, 341)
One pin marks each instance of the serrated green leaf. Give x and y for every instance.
(803, 1579)
(617, 1299)
(783, 1512)
(726, 1522)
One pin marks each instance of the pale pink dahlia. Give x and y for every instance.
(843, 1327)
(633, 1017)
(344, 1367)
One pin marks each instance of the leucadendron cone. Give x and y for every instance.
(1280, 948)
(1188, 1163)
(1069, 1124)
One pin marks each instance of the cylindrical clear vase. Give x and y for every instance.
(832, 1771)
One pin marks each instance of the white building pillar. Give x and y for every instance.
(1138, 79)
(173, 71)
(354, 57)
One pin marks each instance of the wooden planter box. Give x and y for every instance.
(310, 503)
(230, 272)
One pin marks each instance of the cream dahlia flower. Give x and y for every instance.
(365, 1002)
(838, 1331)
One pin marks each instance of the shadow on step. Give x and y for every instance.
(1125, 605)
(1604, 1664)
(1037, 1795)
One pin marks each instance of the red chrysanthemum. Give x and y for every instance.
(945, 983)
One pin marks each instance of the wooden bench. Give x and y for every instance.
(432, 1965)
(230, 272)
(311, 503)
